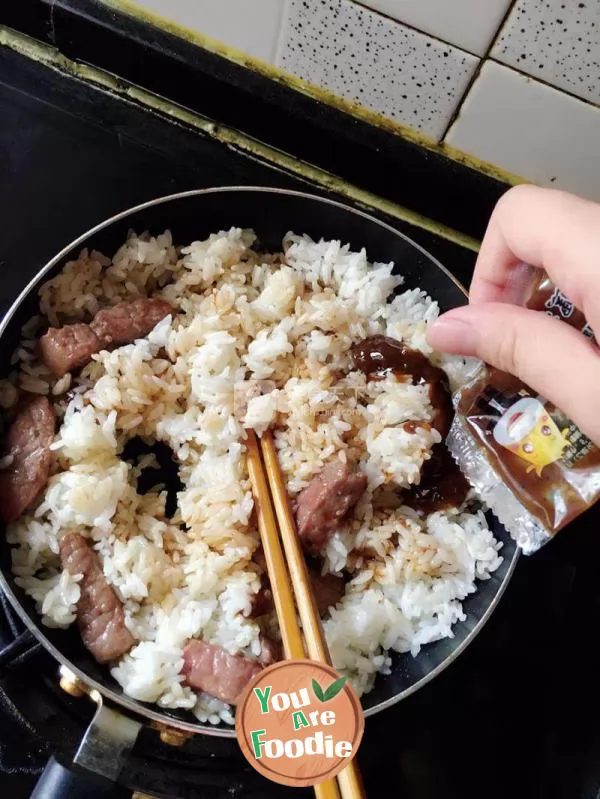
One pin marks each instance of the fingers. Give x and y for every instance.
(552, 358)
(544, 228)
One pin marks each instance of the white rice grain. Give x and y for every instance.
(254, 341)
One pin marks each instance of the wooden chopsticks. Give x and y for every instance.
(307, 608)
(293, 645)
(349, 780)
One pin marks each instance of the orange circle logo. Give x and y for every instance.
(299, 723)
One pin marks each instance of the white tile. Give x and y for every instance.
(384, 66)
(530, 129)
(470, 24)
(251, 26)
(558, 42)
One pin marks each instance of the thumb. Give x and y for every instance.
(554, 359)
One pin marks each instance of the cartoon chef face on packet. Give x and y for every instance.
(527, 430)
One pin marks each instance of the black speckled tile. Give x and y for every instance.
(469, 24)
(557, 41)
(388, 68)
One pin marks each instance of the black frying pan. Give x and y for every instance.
(271, 213)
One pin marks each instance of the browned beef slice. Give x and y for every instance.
(99, 610)
(211, 669)
(325, 503)
(128, 321)
(67, 348)
(64, 349)
(27, 443)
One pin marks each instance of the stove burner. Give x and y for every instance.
(38, 719)
(23, 754)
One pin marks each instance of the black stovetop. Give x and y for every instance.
(515, 716)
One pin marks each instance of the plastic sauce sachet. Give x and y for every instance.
(529, 463)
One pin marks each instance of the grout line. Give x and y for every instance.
(456, 113)
(501, 26)
(51, 28)
(526, 74)
(134, 9)
(403, 24)
(281, 35)
(485, 57)
(252, 148)
(531, 78)
(535, 79)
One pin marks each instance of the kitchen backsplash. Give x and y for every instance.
(512, 83)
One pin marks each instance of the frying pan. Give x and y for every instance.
(193, 215)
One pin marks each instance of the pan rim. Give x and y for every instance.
(133, 706)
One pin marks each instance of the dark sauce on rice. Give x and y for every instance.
(442, 484)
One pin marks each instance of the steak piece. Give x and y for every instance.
(27, 443)
(128, 321)
(211, 669)
(64, 349)
(326, 502)
(99, 610)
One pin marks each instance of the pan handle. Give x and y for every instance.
(57, 782)
(107, 741)
(98, 761)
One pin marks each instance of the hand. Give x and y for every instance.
(557, 232)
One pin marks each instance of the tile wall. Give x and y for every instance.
(514, 83)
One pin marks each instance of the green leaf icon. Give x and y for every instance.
(331, 692)
(334, 689)
(318, 691)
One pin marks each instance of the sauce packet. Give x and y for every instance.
(529, 463)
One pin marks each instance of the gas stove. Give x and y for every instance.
(516, 714)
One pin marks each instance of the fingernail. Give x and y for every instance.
(452, 334)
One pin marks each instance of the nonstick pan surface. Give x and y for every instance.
(271, 213)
